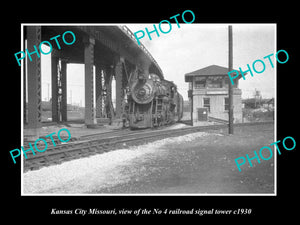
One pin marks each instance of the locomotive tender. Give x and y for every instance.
(153, 102)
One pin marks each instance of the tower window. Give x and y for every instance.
(206, 103)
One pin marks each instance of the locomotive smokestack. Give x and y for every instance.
(141, 77)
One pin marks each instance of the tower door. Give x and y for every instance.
(202, 114)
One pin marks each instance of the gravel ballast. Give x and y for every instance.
(99, 171)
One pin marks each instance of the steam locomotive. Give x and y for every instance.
(153, 102)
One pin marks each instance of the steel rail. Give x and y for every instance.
(84, 148)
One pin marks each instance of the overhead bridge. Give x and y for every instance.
(111, 50)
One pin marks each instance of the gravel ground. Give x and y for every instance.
(202, 163)
(102, 171)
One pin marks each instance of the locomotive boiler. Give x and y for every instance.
(153, 102)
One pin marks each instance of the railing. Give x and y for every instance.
(129, 33)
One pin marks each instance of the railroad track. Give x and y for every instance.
(95, 144)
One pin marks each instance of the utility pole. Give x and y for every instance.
(230, 86)
(48, 91)
(71, 97)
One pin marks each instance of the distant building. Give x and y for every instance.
(252, 103)
(269, 104)
(208, 94)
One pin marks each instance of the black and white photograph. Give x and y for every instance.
(141, 109)
(171, 112)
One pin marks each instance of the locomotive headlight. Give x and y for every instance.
(141, 92)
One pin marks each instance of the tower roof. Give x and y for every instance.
(213, 70)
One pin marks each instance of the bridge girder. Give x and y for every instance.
(103, 46)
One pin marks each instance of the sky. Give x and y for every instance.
(189, 48)
(195, 46)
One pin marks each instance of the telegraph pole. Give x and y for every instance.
(230, 86)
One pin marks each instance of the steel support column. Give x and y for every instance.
(108, 75)
(54, 85)
(59, 89)
(63, 88)
(34, 78)
(99, 84)
(25, 120)
(119, 89)
(88, 74)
